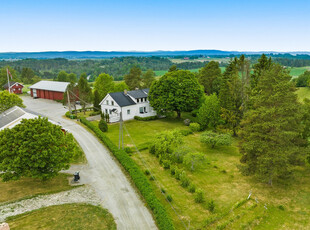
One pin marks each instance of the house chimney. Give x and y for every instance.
(125, 91)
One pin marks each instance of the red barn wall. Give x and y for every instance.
(46, 94)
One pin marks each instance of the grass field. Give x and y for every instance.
(296, 71)
(288, 205)
(26, 187)
(303, 92)
(68, 216)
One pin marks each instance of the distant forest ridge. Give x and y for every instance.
(111, 54)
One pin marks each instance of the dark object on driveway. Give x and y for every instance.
(76, 176)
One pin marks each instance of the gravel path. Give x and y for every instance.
(102, 172)
(84, 194)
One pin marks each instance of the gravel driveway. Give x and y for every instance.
(102, 172)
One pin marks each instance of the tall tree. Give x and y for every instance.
(62, 76)
(85, 93)
(230, 96)
(133, 79)
(177, 91)
(96, 101)
(72, 77)
(209, 76)
(173, 68)
(27, 75)
(8, 100)
(272, 129)
(104, 84)
(245, 70)
(120, 87)
(263, 64)
(209, 113)
(147, 78)
(34, 148)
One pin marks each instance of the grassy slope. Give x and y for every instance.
(222, 181)
(69, 216)
(14, 190)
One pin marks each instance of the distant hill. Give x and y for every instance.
(109, 54)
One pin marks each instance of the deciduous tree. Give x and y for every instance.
(8, 100)
(215, 139)
(27, 75)
(104, 84)
(147, 78)
(133, 79)
(34, 148)
(177, 91)
(209, 76)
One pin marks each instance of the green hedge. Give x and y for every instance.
(145, 118)
(69, 115)
(162, 219)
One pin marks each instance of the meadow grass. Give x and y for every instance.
(67, 216)
(26, 187)
(222, 182)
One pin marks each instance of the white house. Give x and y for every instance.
(130, 103)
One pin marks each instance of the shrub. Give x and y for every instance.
(211, 205)
(194, 161)
(140, 180)
(195, 127)
(172, 169)
(184, 180)
(71, 116)
(215, 139)
(194, 112)
(147, 172)
(192, 188)
(166, 164)
(187, 122)
(128, 150)
(199, 197)
(152, 178)
(281, 207)
(103, 126)
(169, 198)
(145, 118)
(185, 132)
(178, 173)
(179, 154)
(163, 190)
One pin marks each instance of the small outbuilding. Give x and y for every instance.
(14, 87)
(53, 90)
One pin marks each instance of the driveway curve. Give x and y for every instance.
(102, 172)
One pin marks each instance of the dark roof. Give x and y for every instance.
(6, 84)
(140, 93)
(121, 99)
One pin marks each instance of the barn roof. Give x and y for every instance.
(11, 84)
(57, 86)
(121, 99)
(14, 115)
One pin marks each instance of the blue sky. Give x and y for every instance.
(47, 25)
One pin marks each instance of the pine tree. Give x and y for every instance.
(133, 79)
(271, 131)
(209, 76)
(230, 96)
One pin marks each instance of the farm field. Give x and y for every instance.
(296, 71)
(283, 206)
(68, 216)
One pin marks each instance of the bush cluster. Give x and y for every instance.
(146, 118)
(71, 116)
(103, 126)
(162, 219)
(195, 127)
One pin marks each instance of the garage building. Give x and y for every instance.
(53, 90)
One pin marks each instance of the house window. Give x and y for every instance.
(112, 102)
(142, 110)
(107, 102)
(106, 111)
(110, 111)
(128, 111)
(138, 100)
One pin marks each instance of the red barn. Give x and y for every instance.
(15, 87)
(53, 90)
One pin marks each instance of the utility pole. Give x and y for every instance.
(68, 96)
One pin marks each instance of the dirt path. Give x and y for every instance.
(102, 173)
(84, 194)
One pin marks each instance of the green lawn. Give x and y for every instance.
(296, 71)
(68, 216)
(222, 182)
(303, 92)
(25, 187)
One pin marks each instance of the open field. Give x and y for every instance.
(296, 71)
(283, 206)
(178, 60)
(26, 187)
(69, 216)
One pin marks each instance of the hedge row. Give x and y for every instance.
(145, 118)
(162, 219)
(71, 116)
